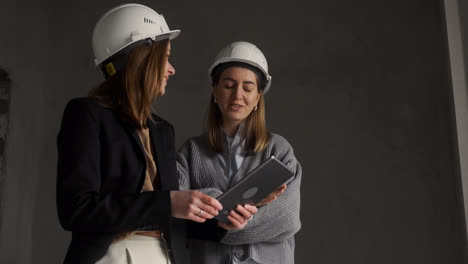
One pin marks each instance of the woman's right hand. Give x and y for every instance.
(194, 205)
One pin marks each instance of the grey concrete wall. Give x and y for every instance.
(360, 88)
(463, 11)
(5, 84)
(23, 54)
(457, 36)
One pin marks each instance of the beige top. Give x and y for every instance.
(151, 169)
(150, 182)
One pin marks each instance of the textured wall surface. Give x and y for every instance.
(4, 106)
(457, 32)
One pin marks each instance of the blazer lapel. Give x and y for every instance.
(162, 156)
(133, 132)
(141, 153)
(156, 144)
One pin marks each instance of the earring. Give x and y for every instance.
(255, 108)
(215, 100)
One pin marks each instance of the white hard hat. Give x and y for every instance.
(126, 24)
(245, 52)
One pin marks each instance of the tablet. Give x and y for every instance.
(256, 186)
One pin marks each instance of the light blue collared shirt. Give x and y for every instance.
(233, 155)
(231, 160)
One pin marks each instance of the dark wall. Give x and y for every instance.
(5, 84)
(360, 89)
(462, 129)
(463, 11)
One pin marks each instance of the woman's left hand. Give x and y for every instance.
(272, 196)
(240, 218)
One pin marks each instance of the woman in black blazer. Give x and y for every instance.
(117, 188)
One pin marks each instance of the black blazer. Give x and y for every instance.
(100, 174)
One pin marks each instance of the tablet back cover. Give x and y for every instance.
(253, 188)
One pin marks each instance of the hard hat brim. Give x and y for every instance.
(231, 59)
(166, 35)
(170, 35)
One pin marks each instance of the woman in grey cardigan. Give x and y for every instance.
(235, 143)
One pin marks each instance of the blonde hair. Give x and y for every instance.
(254, 132)
(133, 91)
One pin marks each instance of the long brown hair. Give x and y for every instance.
(133, 91)
(254, 132)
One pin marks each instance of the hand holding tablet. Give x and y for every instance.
(255, 187)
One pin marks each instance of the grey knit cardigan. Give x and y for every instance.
(269, 236)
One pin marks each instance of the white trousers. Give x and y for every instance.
(137, 250)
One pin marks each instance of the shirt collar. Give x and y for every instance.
(236, 140)
(238, 133)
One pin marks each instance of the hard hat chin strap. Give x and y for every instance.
(117, 62)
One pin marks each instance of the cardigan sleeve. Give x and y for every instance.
(81, 205)
(208, 230)
(278, 220)
(185, 160)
